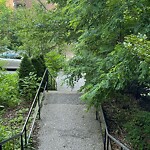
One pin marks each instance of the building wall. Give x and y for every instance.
(28, 3)
(9, 3)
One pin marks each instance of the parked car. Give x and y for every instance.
(11, 60)
(10, 54)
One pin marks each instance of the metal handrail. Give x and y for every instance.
(53, 82)
(107, 136)
(36, 102)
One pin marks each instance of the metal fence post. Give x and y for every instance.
(0, 147)
(108, 140)
(105, 136)
(47, 77)
(96, 115)
(22, 148)
(38, 98)
(25, 135)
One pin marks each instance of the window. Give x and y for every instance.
(18, 5)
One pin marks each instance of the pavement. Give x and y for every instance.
(63, 87)
(65, 124)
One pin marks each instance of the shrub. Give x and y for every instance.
(138, 130)
(29, 86)
(25, 68)
(9, 89)
(4, 133)
(38, 65)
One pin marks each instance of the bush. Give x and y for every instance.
(29, 85)
(39, 65)
(4, 133)
(25, 68)
(9, 89)
(138, 130)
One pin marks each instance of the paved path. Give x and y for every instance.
(63, 87)
(65, 124)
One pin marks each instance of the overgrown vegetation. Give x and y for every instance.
(128, 117)
(31, 31)
(9, 90)
(139, 130)
(112, 51)
(54, 62)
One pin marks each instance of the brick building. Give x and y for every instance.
(27, 3)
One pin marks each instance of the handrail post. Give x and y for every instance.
(96, 115)
(38, 98)
(108, 142)
(22, 148)
(47, 78)
(51, 82)
(0, 147)
(105, 135)
(25, 135)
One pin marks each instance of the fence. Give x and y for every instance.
(108, 139)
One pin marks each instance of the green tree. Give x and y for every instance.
(36, 30)
(25, 69)
(54, 62)
(39, 65)
(99, 28)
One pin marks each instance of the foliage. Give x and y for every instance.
(138, 130)
(54, 62)
(4, 134)
(4, 13)
(60, 2)
(29, 86)
(39, 65)
(2, 63)
(8, 36)
(25, 68)
(28, 79)
(36, 30)
(109, 66)
(11, 126)
(112, 51)
(9, 95)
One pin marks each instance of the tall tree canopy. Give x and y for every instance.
(34, 30)
(112, 46)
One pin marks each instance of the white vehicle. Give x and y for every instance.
(10, 60)
(10, 64)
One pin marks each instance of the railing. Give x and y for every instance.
(21, 140)
(107, 137)
(52, 83)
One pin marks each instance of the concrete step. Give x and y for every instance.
(60, 97)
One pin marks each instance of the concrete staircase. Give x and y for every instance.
(65, 124)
